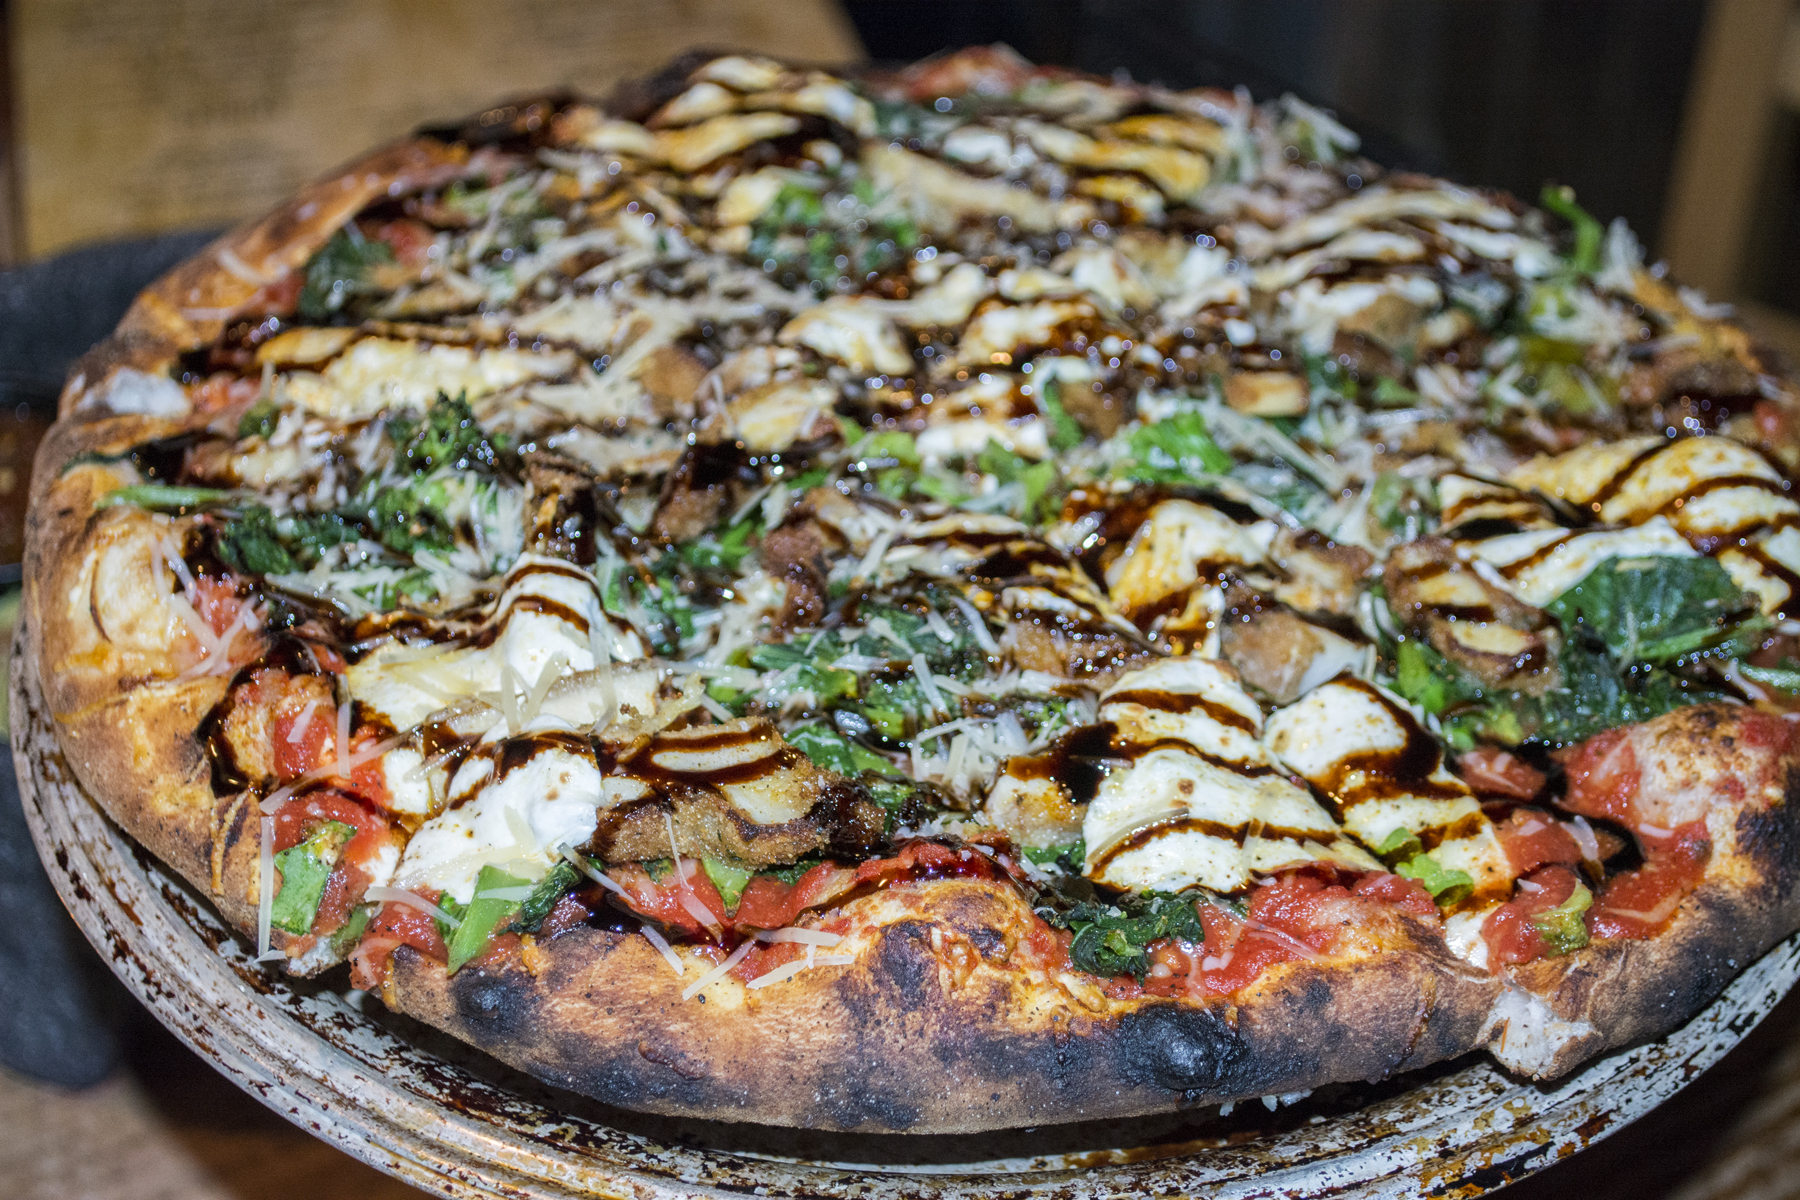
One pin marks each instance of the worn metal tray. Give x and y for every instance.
(425, 1108)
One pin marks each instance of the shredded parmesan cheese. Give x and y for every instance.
(265, 891)
(663, 948)
(394, 895)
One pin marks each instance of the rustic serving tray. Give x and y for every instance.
(446, 1118)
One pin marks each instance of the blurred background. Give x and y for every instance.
(132, 129)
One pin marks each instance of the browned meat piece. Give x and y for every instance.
(735, 792)
(795, 552)
(560, 511)
(1496, 653)
(695, 494)
(1424, 578)
(1060, 644)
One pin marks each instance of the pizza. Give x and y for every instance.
(956, 598)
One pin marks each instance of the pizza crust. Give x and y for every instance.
(911, 1039)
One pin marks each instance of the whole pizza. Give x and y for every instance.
(968, 597)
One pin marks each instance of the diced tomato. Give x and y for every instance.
(927, 860)
(407, 238)
(395, 925)
(1635, 904)
(368, 779)
(1508, 931)
(768, 903)
(1531, 838)
(1496, 772)
(315, 744)
(1603, 777)
(217, 601)
(662, 900)
(296, 820)
(222, 391)
(1407, 895)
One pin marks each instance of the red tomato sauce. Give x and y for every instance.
(1492, 771)
(395, 925)
(1636, 904)
(1508, 930)
(1603, 778)
(1531, 838)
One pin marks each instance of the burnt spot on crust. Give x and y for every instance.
(1182, 1049)
(499, 1004)
(1770, 837)
(907, 963)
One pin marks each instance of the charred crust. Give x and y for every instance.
(497, 1003)
(907, 965)
(1770, 837)
(1179, 1048)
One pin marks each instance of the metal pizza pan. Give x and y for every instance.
(444, 1117)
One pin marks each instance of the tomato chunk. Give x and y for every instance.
(1509, 932)
(1603, 777)
(1531, 838)
(1635, 904)
(1496, 772)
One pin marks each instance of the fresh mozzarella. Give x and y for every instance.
(1167, 553)
(520, 821)
(378, 373)
(1336, 736)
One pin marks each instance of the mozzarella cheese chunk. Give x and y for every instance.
(1212, 814)
(1350, 741)
(520, 821)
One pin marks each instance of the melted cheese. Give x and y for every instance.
(378, 373)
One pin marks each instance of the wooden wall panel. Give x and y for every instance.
(138, 116)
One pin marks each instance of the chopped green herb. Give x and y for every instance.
(1399, 845)
(305, 869)
(728, 879)
(1070, 856)
(1562, 927)
(1065, 434)
(1446, 884)
(1174, 451)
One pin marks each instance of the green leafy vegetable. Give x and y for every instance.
(340, 272)
(833, 751)
(1399, 845)
(1562, 927)
(259, 420)
(562, 879)
(482, 916)
(1174, 451)
(1446, 884)
(723, 551)
(350, 932)
(728, 879)
(791, 873)
(1391, 393)
(1112, 939)
(1065, 434)
(305, 869)
(1654, 609)
(1588, 232)
(1069, 856)
(447, 437)
(163, 497)
(1785, 678)
(1034, 479)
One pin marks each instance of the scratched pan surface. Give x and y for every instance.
(448, 1119)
